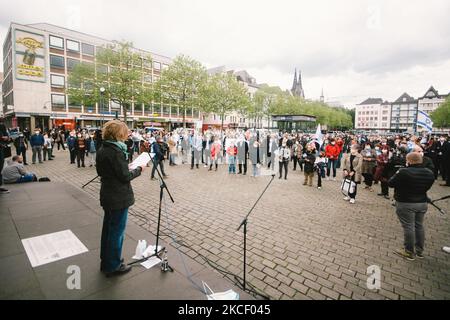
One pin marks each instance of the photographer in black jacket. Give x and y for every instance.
(411, 185)
(116, 195)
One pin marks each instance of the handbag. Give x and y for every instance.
(348, 187)
(6, 151)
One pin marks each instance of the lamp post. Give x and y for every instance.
(45, 108)
(102, 93)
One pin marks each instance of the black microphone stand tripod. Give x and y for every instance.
(162, 187)
(244, 223)
(434, 205)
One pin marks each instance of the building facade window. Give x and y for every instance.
(56, 42)
(87, 49)
(71, 63)
(58, 100)
(57, 62)
(57, 81)
(156, 65)
(73, 45)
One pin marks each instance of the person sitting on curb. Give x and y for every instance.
(15, 172)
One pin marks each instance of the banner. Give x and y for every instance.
(29, 52)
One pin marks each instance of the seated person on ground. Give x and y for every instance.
(15, 172)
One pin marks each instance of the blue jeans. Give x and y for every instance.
(113, 232)
(329, 164)
(29, 177)
(232, 164)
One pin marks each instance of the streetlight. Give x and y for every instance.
(102, 92)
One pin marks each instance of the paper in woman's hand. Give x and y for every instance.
(140, 161)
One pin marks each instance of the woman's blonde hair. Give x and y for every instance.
(115, 130)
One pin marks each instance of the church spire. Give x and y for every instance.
(294, 85)
(297, 87)
(322, 98)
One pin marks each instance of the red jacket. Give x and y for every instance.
(332, 152)
(232, 151)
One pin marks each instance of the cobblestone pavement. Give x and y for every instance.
(303, 243)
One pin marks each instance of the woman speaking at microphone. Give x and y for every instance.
(116, 195)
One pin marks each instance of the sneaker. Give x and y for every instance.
(419, 256)
(352, 201)
(121, 271)
(334, 179)
(404, 254)
(4, 191)
(346, 198)
(446, 249)
(153, 179)
(319, 188)
(380, 194)
(386, 197)
(328, 178)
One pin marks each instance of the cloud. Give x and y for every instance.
(347, 46)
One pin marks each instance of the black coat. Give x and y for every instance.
(412, 183)
(115, 192)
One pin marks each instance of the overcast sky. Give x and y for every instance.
(354, 49)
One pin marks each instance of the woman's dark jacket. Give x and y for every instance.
(115, 192)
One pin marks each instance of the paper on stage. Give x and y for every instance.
(151, 262)
(52, 247)
(140, 161)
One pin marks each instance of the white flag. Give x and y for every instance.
(424, 121)
(319, 135)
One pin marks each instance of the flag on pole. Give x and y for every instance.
(424, 121)
(317, 138)
(319, 135)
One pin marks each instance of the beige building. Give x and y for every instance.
(37, 61)
(373, 115)
(235, 119)
(430, 101)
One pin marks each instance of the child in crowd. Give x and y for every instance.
(232, 153)
(320, 164)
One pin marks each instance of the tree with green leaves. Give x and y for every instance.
(264, 102)
(180, 84)
(222, 94)
(120, 70)
(441, 116)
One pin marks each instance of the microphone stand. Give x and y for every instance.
(439, 209)
(162, 187)
(244, 223)
(82, 187)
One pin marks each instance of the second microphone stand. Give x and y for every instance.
(244, 223)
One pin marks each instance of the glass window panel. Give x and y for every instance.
(57, 81)
(56, 42)
(73, 45)
(56, 61)
(58, 99)
(87, 49)
(71, 63)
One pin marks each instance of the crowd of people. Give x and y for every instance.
(408, 163)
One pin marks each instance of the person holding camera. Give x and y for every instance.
(411, 185)
(116, 195)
